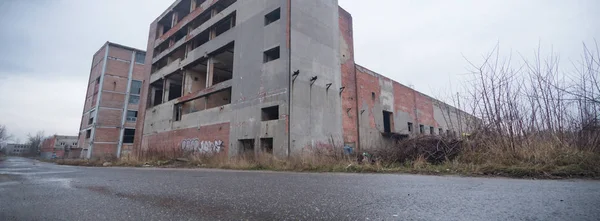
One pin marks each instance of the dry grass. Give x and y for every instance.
(541, 159)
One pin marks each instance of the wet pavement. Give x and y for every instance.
(31, 190)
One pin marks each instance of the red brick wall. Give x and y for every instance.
(104, 150)
(120, 53)
(109, 117)
(425, 111)
(113, 100)
(349, 108)
(48, 144)
(117, 68)
(404, 100)
(171, 141)
(115, 83)
(106, 135)
(145, 85)
(368, 84)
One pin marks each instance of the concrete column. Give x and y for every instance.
(210, 67)
(192, 5)
(165, 90)
(175, 18)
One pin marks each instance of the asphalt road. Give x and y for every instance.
(30, 190)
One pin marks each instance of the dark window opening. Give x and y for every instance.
(224, 25)
(373, 95)
(448, 133)
(246, 147)
(128, 135)
(223, 64)
(272, 16)
(161, 63)
(271, 54)
(136, 87)
(140, 57)
(431, 130)
(421, 129)
(200, 39)
(410, 127)
(387, 121)
(270, 113)
(97, 80)
(440, 131)
(178, 111)
(175, 87)
(156, 93)
(88, 133)
(266, 145)
(131, 116)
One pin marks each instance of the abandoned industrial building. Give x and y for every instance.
(113, 95)
(236, 77)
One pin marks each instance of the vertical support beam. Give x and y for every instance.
(127, 93)
(166, 86)
(192, 5)
(161, 30)
(210, 67)
(93, 133)
(174, 19)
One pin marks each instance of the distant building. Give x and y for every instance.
(60, 147)
(12, 149)
(111, 105)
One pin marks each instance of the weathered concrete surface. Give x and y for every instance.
(31, 190)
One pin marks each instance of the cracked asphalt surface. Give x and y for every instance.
(31, 190)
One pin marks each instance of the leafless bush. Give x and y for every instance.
(433, 149)
(536, 100)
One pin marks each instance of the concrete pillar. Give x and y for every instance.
(209, 72)
(192, 5)
(175, 18)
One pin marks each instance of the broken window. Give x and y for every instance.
(131, 116)
(222, 68)
(270, 113)
(128, 135)
(88, 133)
(272, 16)
(140, 57)
(266, 145)
(246, 147)
(136, 87)
(421, 129)
(431, 130)
(410, 127)
(387, 121)
(271, 54)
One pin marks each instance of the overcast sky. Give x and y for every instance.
(46, 46)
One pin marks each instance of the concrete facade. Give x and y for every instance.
(113, 95)
(245, 77)
(58, 146)
(13, 149)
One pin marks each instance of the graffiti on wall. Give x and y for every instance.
(197, 146)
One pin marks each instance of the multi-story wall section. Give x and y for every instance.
(264, 76)
(58, 146)
(111, 106)
(12, 149)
